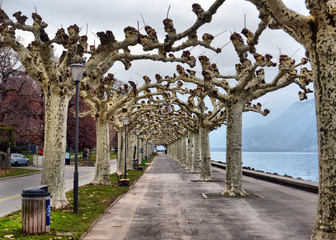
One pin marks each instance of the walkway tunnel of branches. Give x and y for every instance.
(181, 109)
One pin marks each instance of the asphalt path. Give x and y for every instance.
(168, 202)
(11, 188)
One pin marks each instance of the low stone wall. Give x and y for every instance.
(283, 180)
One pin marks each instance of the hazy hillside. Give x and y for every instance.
(294, 130)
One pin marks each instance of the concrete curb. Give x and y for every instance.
(287, 181)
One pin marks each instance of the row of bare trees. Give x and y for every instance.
(55, 81)
(229, 98)
(22, 106)
(20, 99)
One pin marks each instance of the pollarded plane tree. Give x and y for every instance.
(137, 110)
(164, 127)
(168, 91)
(246, 85)
(205, 120)
(173, 124)
(139, 123)
(208, 120)
(186, 120)
(176, 138)
(143, 118)
(106, 101)
(103, 98)
(161, 99)
(150, 115)
(213, 120)
(150, 121)
(316, 33)
(157, 127)
(54, 78)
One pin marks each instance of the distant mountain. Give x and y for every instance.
(293, 130)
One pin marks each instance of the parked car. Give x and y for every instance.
(18, 159)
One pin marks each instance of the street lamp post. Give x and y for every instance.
(77, 74)
(142, 149)
(146, 151)
(137, 132)
(126, 121)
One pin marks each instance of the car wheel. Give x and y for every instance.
(27, 163)
(16, 164)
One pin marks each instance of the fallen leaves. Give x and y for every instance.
(3, 171)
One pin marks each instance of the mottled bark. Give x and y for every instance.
(316, 34)
(178, 150)
(196, 154)
(189, 150)
(146, 149)
(233, 184)
(206, 172)
(183, 151)
(56, 112)
(102, 171)
(121, 153)
(130, 147)
(324, 70)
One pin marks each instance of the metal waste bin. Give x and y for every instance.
(135, 163)
(36, 209)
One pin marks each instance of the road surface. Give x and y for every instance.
(11, 188)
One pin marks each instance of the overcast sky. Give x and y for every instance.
(115, 15)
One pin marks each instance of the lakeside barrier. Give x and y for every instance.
(283, 180)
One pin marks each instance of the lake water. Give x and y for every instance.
(295, 164)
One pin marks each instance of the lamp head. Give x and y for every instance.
(77, 70)
(126, 120)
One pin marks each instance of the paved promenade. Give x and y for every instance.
(168, 202)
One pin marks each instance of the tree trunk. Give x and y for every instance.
(233, 184)
(324, 75)
(121, 155)
(195, 167)
(56, 112)
(130, 146)
(178, 150)
(183, 151)
(189, 150)
(206, 172)
(102, 173)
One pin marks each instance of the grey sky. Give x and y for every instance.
(115, 15)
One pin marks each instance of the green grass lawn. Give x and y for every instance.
(92, 159)
(92, 202)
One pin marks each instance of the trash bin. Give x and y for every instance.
(135, 163)
(36, 209)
